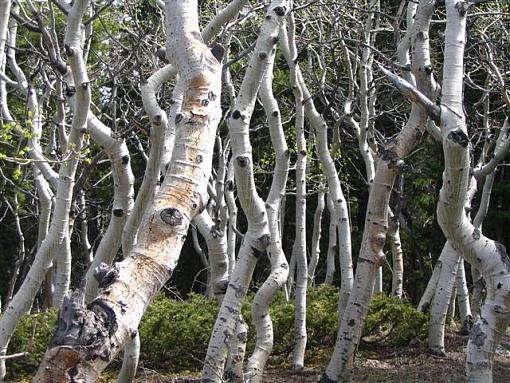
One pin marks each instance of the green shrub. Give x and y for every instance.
(32, 335)
(393, 321)
(174, 333)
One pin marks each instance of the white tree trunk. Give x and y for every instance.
(444, 290)
(316, 237)
(376, 223)
(23, 299)
(486, 255)
(332, 242)
(299, 248)
(111, 319)
(123, 178)
(216, 250)
(279, 266)
(257, 238)
(463, 298)
(130, 360)
(428, 295)
(397, 279)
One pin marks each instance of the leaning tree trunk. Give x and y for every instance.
(486, 255)
(279, 266)
(59, 228)
(257, 237)
(376, 223)
(107, 323)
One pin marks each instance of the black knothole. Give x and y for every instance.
(178, 118)
(428, 69)
(268, 17)
(72, 372)
(275, 113)
(262, 55)
(194, 205)
(459, 137)
(118, 212)
(218, 51)
(302, 152)
(236, 114)
(204, 102)
(125, 159)
(84, 85)
(172, 101)
(351, 323)
(199, 158)
(242, 161)
(171, 216)
(70, 91)
(280, 11)
(134, 333)
(157, 119)
(275, 39)
(265, 240)
(499, 285)
(68, 50)
(211, 96)
(462, 7)
(230, 185)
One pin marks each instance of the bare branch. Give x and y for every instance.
(413, 94)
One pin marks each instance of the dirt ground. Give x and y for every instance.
(409, 364)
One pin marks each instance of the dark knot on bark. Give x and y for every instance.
(171, 216)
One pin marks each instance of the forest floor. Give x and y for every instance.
(408, 364)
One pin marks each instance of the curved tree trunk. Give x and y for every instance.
(486, 255)
(376, 223)
(279, 266)
(59, 228)
(111, 319)
(257, 237)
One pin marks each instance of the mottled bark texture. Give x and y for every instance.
(89, 336)
(486, 255)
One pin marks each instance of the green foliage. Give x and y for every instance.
(393, 321)
(32, 335)
(175, 333)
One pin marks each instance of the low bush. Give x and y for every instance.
(393, 321)
(32, 335)
(175, 333)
